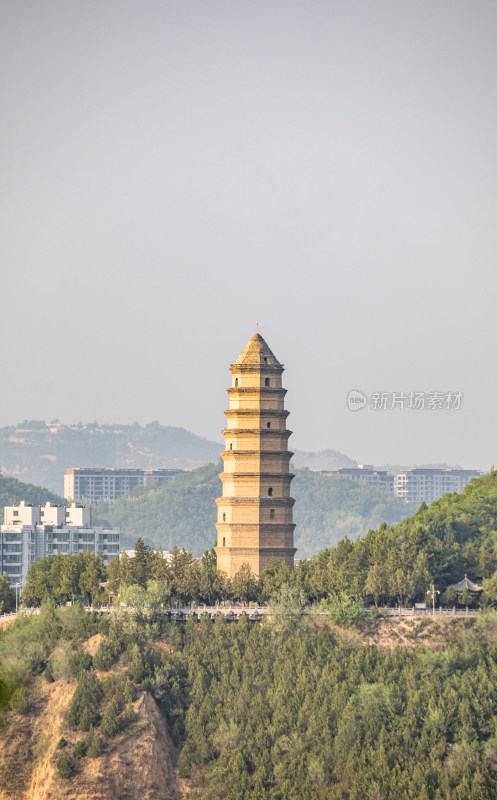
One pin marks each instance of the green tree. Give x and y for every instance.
(38, 583)
(343, 609)
(7, 595)
(92, 576)
(93, 744)
(466, 598)
(158, 594)
(487, 558)
(244, 584)
(66, 765)
(377, 582)
(142, 563)
(110, 724)
(114, 575)
(211, 584)
(86, 698)
(450, 596)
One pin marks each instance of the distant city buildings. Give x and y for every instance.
(93, 484)
(414, 485)
(363, 472)
(31, 532)
(417, 485)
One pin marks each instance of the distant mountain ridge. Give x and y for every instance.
(324, 459)
(38, 452)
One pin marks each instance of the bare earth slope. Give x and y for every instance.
(138, 764)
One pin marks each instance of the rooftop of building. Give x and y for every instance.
(473, 588)
(438, 471)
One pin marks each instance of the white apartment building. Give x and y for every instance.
(32, 532)
(363, 472)
(93, 484)
(416, 485)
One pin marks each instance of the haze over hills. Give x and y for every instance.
(38, 452)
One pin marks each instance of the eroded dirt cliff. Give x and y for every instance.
(137, 764)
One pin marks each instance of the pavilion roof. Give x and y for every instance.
(474, 588)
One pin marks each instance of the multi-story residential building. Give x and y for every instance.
(93, 484)
(33, 532)
(363, 472)
(416, 485)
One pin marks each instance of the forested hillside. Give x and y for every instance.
(12, 491)
(454, 536)
(286, 709)
(183, 511)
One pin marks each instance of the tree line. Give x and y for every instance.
(392, 565)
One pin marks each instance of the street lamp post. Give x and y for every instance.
(433, 594)
(18, 586)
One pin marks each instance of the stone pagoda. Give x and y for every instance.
(255, 512)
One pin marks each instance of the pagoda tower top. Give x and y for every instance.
(256, 352)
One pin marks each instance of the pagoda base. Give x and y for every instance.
(230, 559)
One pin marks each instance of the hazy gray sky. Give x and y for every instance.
(173, 172)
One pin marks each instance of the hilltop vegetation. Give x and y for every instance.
(440, 543)
(183, 511)
(393, 564)
(12, 491)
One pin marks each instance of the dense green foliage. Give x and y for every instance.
(267, 714)
(63, 578)
(283, 710)
(183, 511)
(7, 595)
(25, 645)
(394, 564)
(455, 535)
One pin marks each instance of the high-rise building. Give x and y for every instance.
(417, 485)
(91, 484)
(255, 512)
(32, 532)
